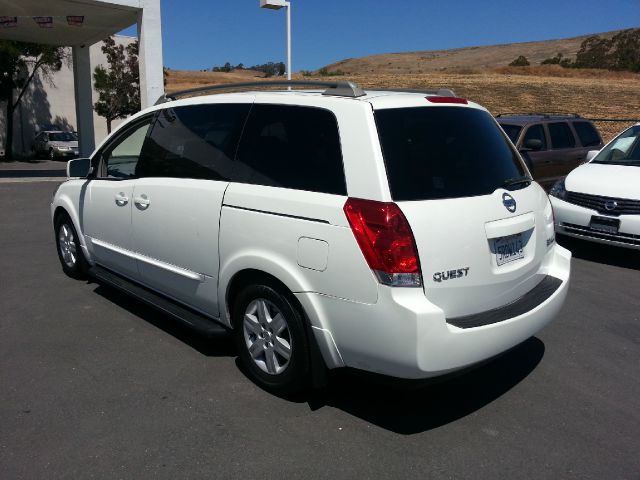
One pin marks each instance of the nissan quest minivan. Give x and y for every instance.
(394, 232)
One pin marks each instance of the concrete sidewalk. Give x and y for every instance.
(32, 171)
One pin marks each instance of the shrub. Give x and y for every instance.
(521, 61)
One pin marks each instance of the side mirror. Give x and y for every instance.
(591, 154)
(79, 168)
(534, 144)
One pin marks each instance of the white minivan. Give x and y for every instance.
(389, 231)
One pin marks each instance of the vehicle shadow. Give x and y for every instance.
(405, 407)
(601, 253)
(209, 345)
(409, 410)
(32, 173)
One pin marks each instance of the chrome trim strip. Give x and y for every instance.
(200, 277)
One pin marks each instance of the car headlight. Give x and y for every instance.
(558, 190)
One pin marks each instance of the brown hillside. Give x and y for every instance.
(461, 58)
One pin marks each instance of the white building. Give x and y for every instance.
(68, 101)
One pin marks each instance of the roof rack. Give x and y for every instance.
(539, 114)
(441, 92)
(340, 89)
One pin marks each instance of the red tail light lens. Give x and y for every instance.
(436, 99)
(386, 241)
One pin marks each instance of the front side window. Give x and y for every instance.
(536, 132)
(587, 133)
(291, 147)
(623, 150)
(120, 158)
(561, 136)
(195, 141)
(444, 152)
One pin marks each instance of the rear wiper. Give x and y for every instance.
(514, 182)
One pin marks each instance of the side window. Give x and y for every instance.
(120, 158)
(197, 141)
(587, 134)
(291, 147)
(536, 132)
(561, 135)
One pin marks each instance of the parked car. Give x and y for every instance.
(55, 144)
(391, 232)
(600, 200)
(552, 144)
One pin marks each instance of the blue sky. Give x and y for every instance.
(199, 34)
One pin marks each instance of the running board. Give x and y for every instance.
(197, 321)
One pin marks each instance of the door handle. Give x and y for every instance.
(121, 199)
(142, 202)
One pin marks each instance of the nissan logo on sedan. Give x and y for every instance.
(509, 202)
(610, 205)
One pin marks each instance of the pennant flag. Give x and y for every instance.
(75, 20)
(6, 22)
(44, 22)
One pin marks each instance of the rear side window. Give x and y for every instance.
(536, 132)
(291, 147)
(512, 131)
(444, 152)
(196, 141)
(561, 136)
(587, 134)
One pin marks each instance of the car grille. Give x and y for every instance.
(616, 206)
(626, 238)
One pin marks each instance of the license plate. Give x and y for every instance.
(604, 224)
(508, 249)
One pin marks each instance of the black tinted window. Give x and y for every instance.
(536, 132)
(561, 136)
(587, 134)
(512, 131)
(197, 141)
(444, 152)
(291, 147)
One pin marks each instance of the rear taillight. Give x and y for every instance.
(386, 241)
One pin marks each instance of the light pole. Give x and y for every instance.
(277, 5)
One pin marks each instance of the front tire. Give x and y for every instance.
(271, 339)
(69, 249)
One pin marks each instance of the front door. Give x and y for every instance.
(106, 209)
(183, 174)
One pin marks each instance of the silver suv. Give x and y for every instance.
(54, 144)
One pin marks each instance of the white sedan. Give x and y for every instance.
(600, 200)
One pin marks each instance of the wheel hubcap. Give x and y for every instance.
(67, 244)
(267, 336)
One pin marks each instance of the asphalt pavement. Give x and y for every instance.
(96, 385)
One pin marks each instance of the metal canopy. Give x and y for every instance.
(101, 19)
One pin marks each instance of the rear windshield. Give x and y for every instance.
(512, 131)
(444, 152)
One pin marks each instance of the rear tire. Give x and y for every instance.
(271, 339)
(69, 250)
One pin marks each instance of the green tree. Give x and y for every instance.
(118, 86)
(521, 61)
(19, 64)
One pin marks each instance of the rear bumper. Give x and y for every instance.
(406, 336)
(573, 220)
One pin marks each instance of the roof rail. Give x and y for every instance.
(539, 114)
(340, 89)
(441, 92)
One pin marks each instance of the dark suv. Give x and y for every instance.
(552, 144)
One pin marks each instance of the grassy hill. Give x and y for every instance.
(461, 59)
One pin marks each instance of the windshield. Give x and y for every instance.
(445, 152)
(512, 131)
(62, 137)
(624, 150)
